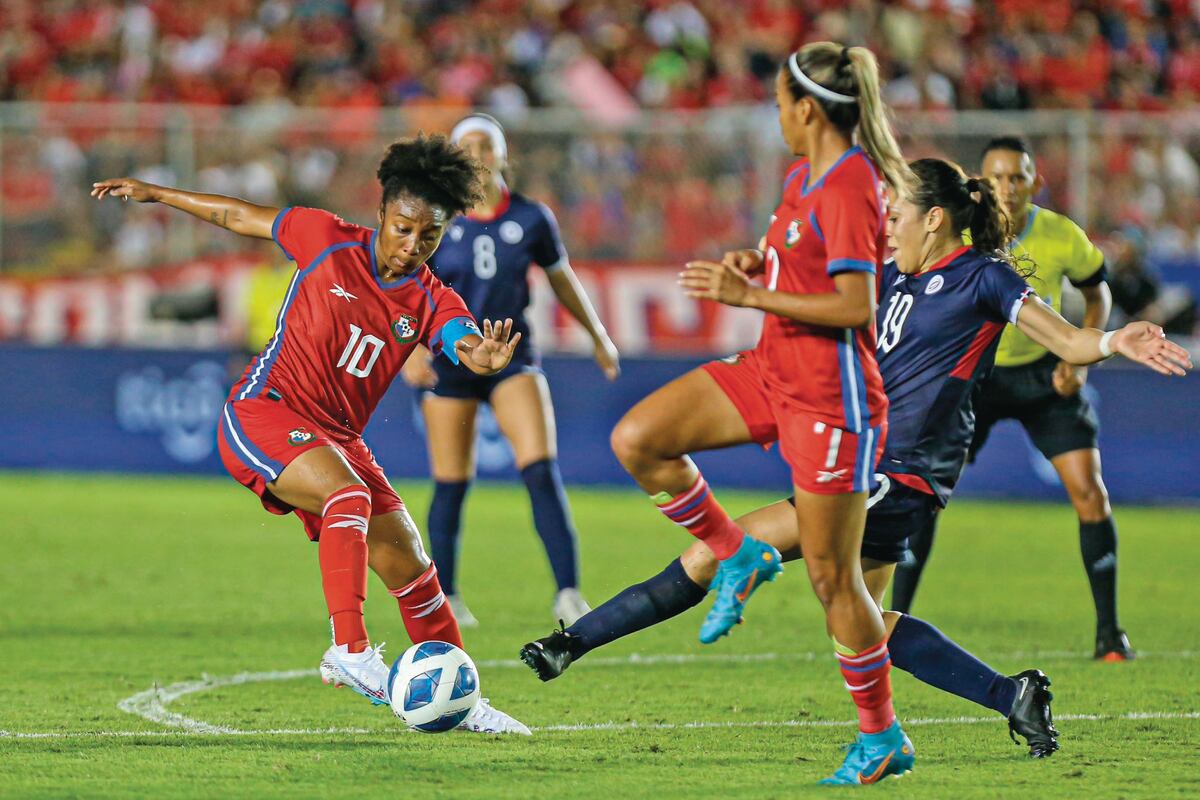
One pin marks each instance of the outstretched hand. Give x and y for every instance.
(126, 189)
(1145, 343)
(493, 351)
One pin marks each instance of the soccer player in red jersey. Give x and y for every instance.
(359, 302)
(812, 377)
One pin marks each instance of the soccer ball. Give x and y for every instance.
(433, 687)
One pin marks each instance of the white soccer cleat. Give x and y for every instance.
(461, 613)
(485, 719)
(365, 672)
(569, 606)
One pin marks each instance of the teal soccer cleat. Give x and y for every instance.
(751, 566)
(873, 757)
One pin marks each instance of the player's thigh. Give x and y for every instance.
(308, 481)
(877, 575)
(1080, 473)
(525, 415)
(450, 431)
(831, 530)
(689, 414)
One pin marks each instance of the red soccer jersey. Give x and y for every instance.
(342, 333)
(833, 225)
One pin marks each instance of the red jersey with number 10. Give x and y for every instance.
(821, 229)
(342, 333)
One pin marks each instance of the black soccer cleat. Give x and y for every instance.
(1113, 645)
(1031, 716)
(550, 657)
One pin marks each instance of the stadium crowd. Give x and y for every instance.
(259, 63)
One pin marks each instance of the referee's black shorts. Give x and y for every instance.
(1056, 424)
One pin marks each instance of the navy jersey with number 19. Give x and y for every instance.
(937, 337)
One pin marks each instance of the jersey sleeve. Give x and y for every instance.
(451, 321)
(303, 233)
(548, 251)
(1085, 259)
(1000, 292)
(849, 214)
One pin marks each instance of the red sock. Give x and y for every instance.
(343, 556)
(427, 614)
(698, 511)
(868, 678)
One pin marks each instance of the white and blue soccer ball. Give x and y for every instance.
(433, 687)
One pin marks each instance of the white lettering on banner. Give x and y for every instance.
(641, 305)
(182, 410)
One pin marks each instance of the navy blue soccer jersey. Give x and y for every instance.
(486, 260)
(937, 337)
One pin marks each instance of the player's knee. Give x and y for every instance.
(631, 440)
(397, 563)
(1091, 501)
(830, 579)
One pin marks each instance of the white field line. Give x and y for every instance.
(214, 730)
(151, 704)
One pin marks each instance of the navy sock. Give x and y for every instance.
(667, 594)
(445, 515)
(923, 651)
(552, 518)
(908, 572)
(1098, 546)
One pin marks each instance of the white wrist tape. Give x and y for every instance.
(1105, 350)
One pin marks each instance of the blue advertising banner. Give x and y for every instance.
(156, 411)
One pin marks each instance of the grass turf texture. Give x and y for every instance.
(111, 585)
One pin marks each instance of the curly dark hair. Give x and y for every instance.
(432, 169)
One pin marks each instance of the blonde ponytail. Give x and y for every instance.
(874, 126)
(842, 73)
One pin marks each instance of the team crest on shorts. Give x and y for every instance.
(794, 229)
(300, 436)
(404, 330)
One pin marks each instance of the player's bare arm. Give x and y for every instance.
(418, 370)
(491, 352)
(571, 294)
(230, 213)
(850, 305)
(1142, 342)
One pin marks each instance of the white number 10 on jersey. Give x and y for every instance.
(356, 349)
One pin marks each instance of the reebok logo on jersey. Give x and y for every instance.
(792, 237)
(825, 476)
(340, 292)
(404, 330)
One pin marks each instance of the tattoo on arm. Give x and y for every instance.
(219, 219)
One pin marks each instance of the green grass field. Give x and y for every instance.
(112, 586)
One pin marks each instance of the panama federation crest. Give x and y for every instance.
(404, 330)
(794, 229)
(299, 436)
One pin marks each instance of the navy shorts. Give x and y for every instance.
(455, 380)
(894, 512)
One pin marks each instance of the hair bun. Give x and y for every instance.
(974, 185)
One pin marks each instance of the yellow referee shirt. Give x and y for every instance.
(1059, 249)
(265, 288)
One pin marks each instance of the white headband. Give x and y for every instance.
(815, 88)
(482, 125)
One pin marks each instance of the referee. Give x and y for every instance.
(1041, 392)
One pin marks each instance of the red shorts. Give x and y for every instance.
(825, 458)
(259, 437)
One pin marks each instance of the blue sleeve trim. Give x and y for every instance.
(812, 221)
(850, 265)
(450, 334)
(275, 231)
